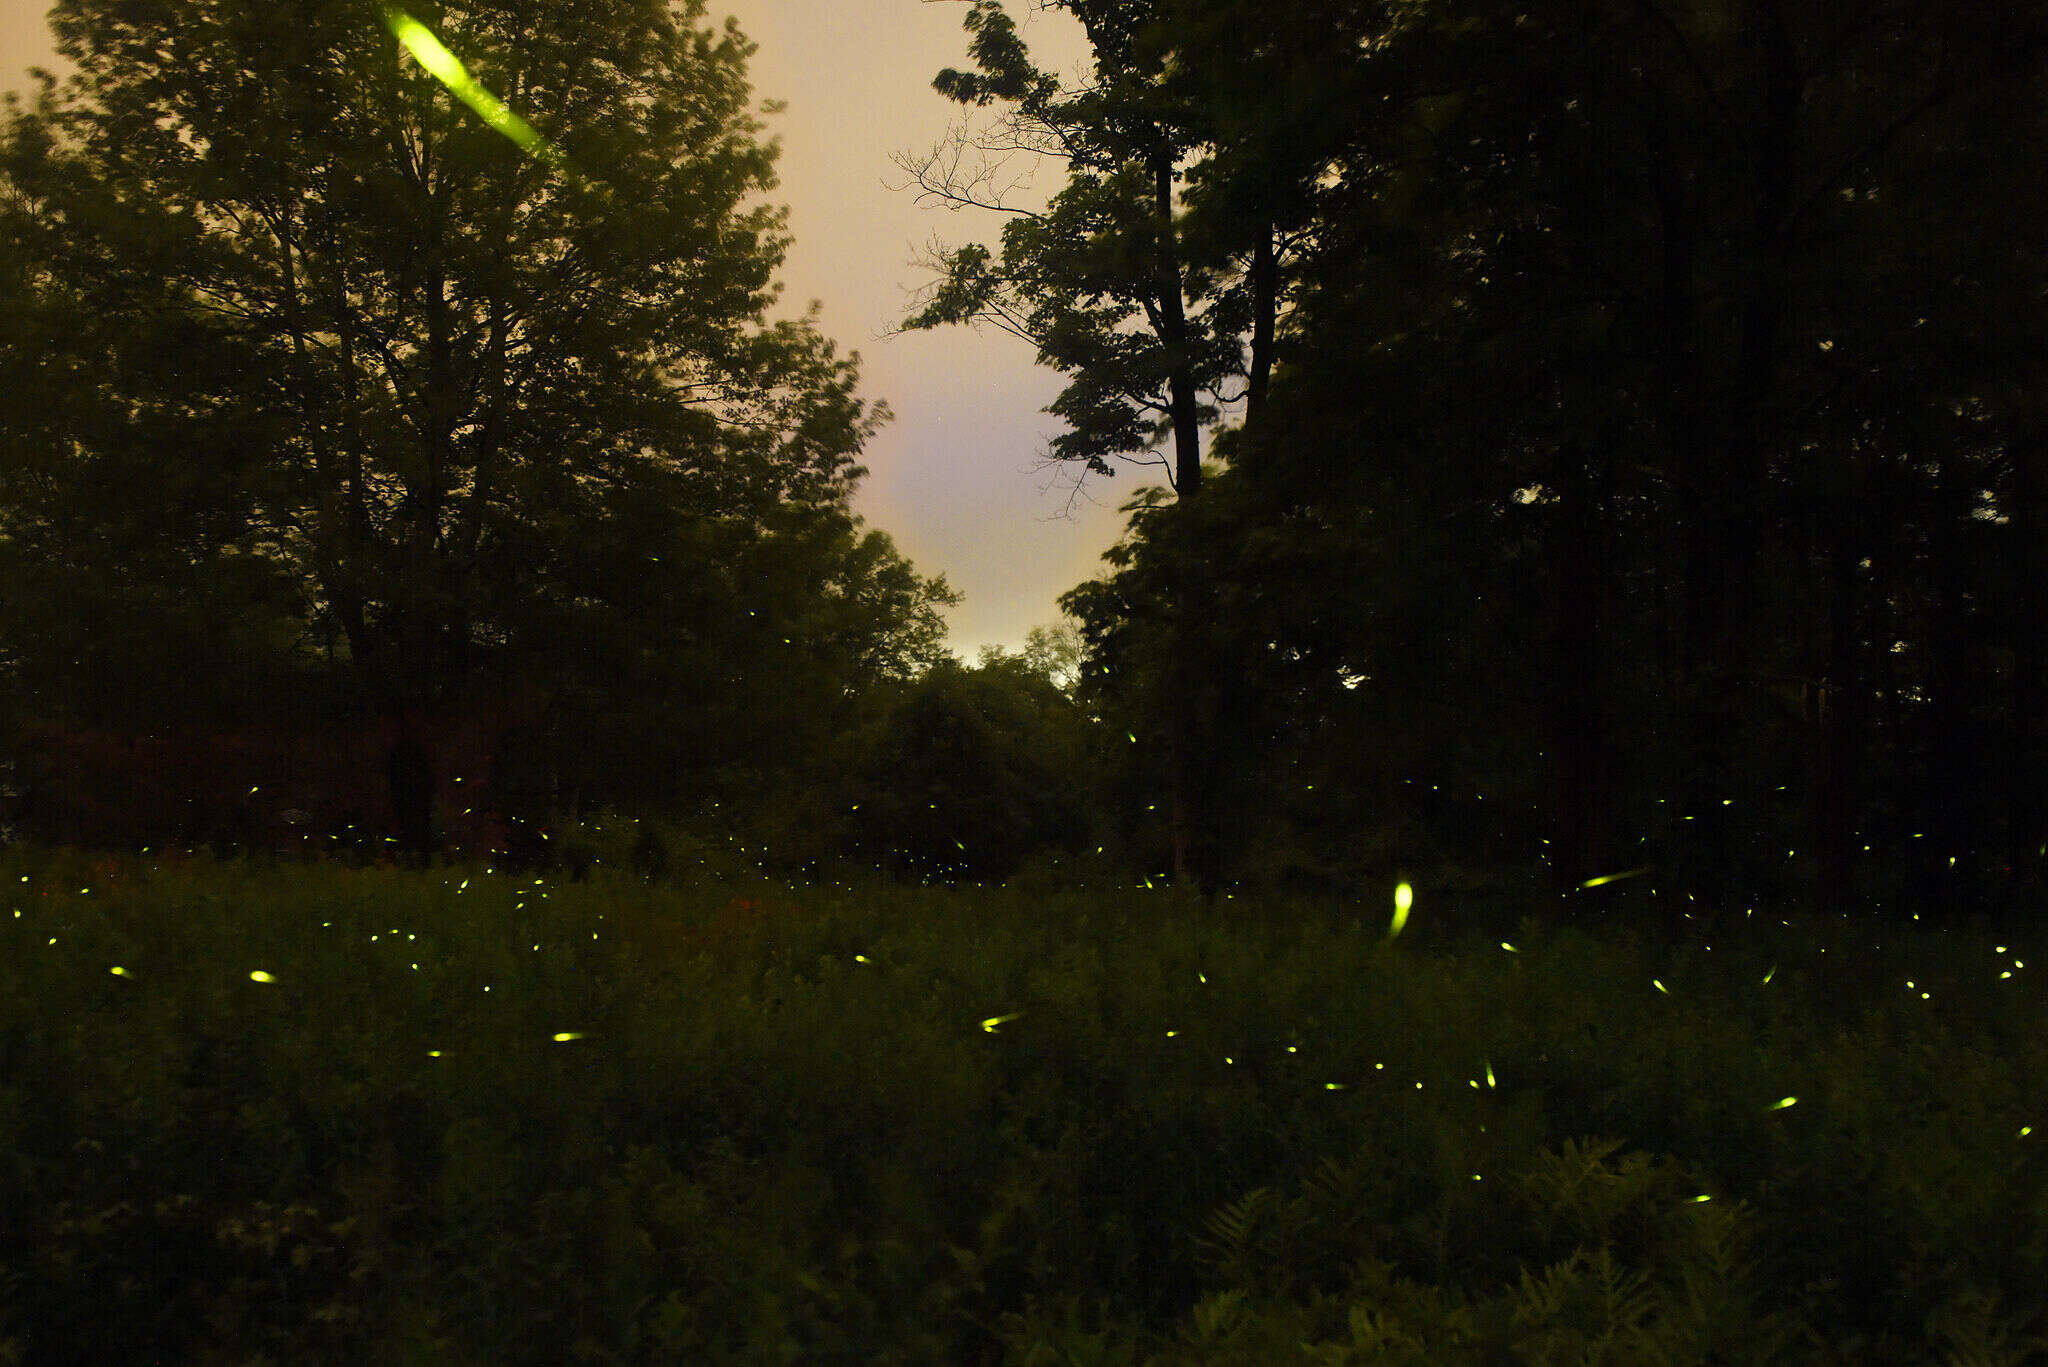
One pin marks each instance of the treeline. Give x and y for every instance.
(325, 402)
(1599, 437)
(1625, 430)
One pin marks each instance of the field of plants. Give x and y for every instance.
(270, 1113)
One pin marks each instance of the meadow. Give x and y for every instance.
(267, 1113)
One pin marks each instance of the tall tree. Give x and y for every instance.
(460, 402)
(1633, 399)
(1152, 325)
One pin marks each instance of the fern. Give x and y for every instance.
(1233, 1250)
(1974, 1334)
(1217, 1315)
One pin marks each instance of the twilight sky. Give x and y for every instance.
(956, 478)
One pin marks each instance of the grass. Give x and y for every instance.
(457, 1115)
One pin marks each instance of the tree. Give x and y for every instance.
(1632, 407)
(1097, 282)
(1151, 324)
(964, 772)
(410, 402)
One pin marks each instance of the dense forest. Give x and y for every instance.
(1603, 438)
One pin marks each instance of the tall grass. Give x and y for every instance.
(459, 1114)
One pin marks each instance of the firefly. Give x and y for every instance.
(448, 69)
(1613, 877)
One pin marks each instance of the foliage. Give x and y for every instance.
(1624, 460)
(962, 773)
(1098, 282)
(723, 1120)
(327, 389)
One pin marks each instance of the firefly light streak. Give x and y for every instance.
(448, 69)
(1606, 878)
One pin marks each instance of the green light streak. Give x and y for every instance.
(448, 69)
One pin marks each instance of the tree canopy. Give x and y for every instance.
(1650, 451)
(318, 375)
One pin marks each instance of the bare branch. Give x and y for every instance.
(941, 178)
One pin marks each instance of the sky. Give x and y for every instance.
(958, 478)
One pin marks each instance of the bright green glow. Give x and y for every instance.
(993, 1021)
(259, 976)
(1782, 1103)
(1404, 898)
(1772, 974)
(1613, 877)
(120, 972)
(568, 1035)
(1489, 1075)
(448, 69)
(1660, 987)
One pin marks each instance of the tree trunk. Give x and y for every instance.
(1729, 534)
(2026, 785)
(411, 780)
(1841, 724)
(1173, 333)
(1265, 304)
(1186, 807)
(1954, 749)
(1581, 765)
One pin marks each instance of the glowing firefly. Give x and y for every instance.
(448, 69)
(1404, 898)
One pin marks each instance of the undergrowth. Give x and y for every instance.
(332, 1114)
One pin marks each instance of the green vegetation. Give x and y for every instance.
(1462, 867)
(314, 1113)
